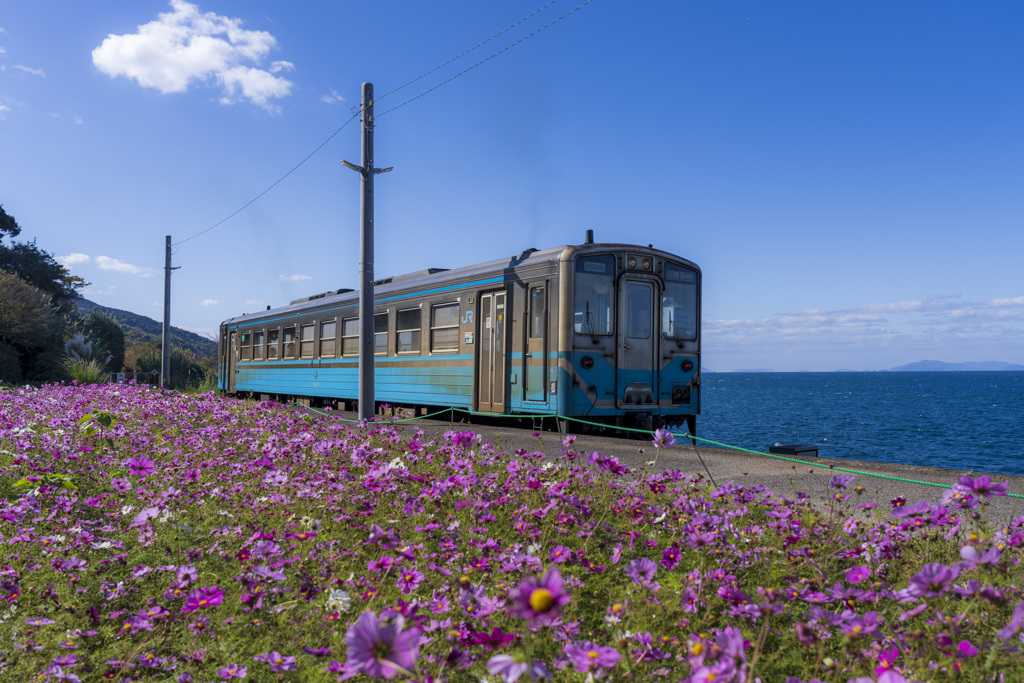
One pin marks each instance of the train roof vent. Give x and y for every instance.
(383, 281)
(321, 295)
(417, 274)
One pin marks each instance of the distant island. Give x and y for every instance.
(970, 366)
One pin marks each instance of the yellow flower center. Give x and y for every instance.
(541, 600)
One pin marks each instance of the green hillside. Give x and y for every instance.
(138, 329)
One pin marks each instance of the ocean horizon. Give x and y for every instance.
(960, 420)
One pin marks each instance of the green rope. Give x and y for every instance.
(687, 436)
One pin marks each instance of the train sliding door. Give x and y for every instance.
(490, 361)
(535, 356)
(232, 360)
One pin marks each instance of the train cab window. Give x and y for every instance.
(594, 295)
(327, 339)
(679, 303)
(350, 337)
(246, 344)
(380, 334)
(306, 340)
(407, 327)
(273, 342)
(289, 342)
(444, 328)
(257, 345)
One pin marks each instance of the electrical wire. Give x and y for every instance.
(357, 111)
(271, 187)
(485, 60)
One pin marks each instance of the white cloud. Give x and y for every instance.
(253, 302)
(332, 98)
(185, 46)
(107, 263)
(30, 71)
(210, 302)
(294, 278)
(75, 259)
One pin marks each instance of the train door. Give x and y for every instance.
(637, 343)
(490, 362)
(232, 360)
(535, 357)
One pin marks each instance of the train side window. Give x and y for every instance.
(594, 295)
(444, 328)
(328, 331)
(289, 342)
(538, 312)
(257, 345)
(306, 340)
(407, 327)
(350, 337)
(273, 342)
(380, 334)
(679, 303)
(246, 344)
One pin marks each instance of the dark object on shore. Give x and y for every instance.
(793, 449)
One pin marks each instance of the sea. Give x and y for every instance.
(957, 420)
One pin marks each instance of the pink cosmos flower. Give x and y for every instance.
(141, 466)
(380, 648)
(663, 438)
(539, 600)
(409, 579)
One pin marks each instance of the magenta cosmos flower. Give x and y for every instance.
(539, 600)
(203, 597)
(585, 655)
(381, 649)
(141, 466)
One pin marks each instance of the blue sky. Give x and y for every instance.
(849, 176)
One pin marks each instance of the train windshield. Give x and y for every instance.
(594, 300)
(679, 303)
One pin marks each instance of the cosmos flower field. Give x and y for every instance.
(151, 536)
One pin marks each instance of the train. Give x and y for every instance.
(594, 335)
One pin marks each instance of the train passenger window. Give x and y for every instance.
(273, 341)
(444, 328)
(327, 340)
(246, 345)
(538, 312)
(306, 341)
(289, 342)
(594, 295)
(407, 328)
(679, 303)
(350, 337)
(380, 334)
(257, 345)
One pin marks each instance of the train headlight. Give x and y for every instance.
(631, 262)
(645, 264)
(587, 362)
(687, 365)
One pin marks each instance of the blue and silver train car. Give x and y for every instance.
(603, 333)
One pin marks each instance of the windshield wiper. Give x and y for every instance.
(675, 330)
(589, 317)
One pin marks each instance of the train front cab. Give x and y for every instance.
(634, 329)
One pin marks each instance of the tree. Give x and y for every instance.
(31, 327)
(38, 268)
(107, 337)
(8, 226)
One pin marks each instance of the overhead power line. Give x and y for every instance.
(356, 113)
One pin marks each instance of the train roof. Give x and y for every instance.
(436, 277)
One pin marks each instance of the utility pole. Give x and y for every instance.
(165, 340)
(367, 405)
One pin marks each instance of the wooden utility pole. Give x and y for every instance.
(367, 402)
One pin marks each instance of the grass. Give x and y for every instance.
(162, 537)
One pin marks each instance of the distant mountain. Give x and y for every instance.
(753, 370)
(972, 366)
(138, 329)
